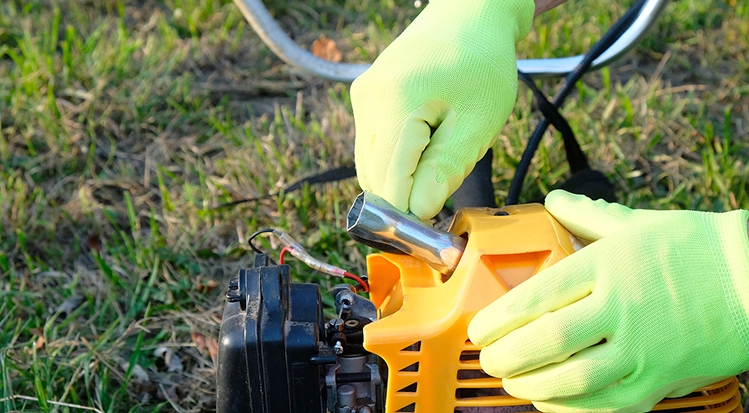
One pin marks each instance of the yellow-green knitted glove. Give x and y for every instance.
(655, 307)
(453, 70)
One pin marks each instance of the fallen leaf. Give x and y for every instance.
(325, 48)
(213, 349)
(94, 242)
(207, 287)
(206, 345)
(38, 344)
(199, 341)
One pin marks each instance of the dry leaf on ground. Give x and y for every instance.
(326, 48)
(207, 287)
(199, 341)
(206, 345)
(213, 349)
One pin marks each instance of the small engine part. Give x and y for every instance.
(277, 355)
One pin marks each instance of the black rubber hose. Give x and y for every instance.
(614, 33)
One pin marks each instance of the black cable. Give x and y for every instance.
(575, 155)
(601, 46)
(253, 236)
(332, 175)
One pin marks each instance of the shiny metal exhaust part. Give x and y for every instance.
(374, 222)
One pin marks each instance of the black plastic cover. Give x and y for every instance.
(270, 331)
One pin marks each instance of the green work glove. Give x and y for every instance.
(453, 71)
(655, 307)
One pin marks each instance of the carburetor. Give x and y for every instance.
(278, 355)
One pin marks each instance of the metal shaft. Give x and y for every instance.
(285, 48)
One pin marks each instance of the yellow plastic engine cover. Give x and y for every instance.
(422, 318)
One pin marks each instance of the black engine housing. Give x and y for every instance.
(269, 358)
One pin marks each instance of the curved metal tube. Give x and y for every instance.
(279, 42)
(560, 66)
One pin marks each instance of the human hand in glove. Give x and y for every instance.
(655, 307)
(435, 100)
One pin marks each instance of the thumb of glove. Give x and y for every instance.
(593, 220)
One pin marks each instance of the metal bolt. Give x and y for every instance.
(338, 347)
(346, 298)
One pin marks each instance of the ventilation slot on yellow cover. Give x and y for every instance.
(410, 408)
(413, 368)
(479, 392)
(411, 388)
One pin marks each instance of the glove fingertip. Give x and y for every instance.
(515, 388)
(488, 325)
(559, 201)
(425, 210)
(584, 217)
(396, 195)
(427, 196)
(476, 332)
(490, 367)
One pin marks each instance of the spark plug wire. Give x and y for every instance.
(296, 250)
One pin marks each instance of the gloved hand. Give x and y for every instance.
(453, 71)
(655, 307)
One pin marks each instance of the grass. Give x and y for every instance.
(124, 124)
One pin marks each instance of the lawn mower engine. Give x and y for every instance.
(405, 348)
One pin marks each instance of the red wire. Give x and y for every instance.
(283, 251)
(361, 282)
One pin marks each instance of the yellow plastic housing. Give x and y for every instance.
(423, 317)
